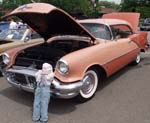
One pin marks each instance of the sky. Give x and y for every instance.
(116, 1)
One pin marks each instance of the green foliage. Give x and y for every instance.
(85, 7)
(11, 4)
(71, 6)
(1, 14)
(108, 4)
(145, 11)
(141, 6)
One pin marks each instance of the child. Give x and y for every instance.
(44, 79)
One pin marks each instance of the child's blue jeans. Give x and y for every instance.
(41, 101)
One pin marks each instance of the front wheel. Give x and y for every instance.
(90, 83)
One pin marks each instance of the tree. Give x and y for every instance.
(141, 6)
(11, 4)
(71, 6)
(108, 4)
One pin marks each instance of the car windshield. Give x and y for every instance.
(98, 30)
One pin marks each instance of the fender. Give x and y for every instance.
(104, 54)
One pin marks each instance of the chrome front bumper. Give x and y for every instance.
(58, 89)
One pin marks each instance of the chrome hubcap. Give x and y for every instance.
(138, 59)
(89, 82)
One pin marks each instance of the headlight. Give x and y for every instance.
(62, 67)
(6, 58)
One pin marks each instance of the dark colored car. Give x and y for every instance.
(146, 25)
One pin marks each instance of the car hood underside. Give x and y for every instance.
(48, 21)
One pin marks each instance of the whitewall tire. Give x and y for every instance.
(137, 59)
(90, 83)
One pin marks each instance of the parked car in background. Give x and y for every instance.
(17, 37)
(82, 53)
(24, 33)
(11, 38)
(145, 25)
(4, 26)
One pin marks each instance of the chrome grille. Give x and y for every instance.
(31, 79)
(22, 79)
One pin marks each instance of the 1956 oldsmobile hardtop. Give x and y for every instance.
(82, 52)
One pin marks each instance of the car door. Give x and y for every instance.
(121, 50)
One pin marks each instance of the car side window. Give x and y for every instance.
(121, 31)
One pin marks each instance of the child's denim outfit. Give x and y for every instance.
(42, 96)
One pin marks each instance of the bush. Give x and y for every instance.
(2, 14)
(145, 11)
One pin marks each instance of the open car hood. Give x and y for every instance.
(132, 18)
(49, 21)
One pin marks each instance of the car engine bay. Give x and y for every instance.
(50, 52)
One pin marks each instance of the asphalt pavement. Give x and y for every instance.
(124, 98)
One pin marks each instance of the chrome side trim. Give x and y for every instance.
(128, 52)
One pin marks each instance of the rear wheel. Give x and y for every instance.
(137, 59)
(90, 83)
